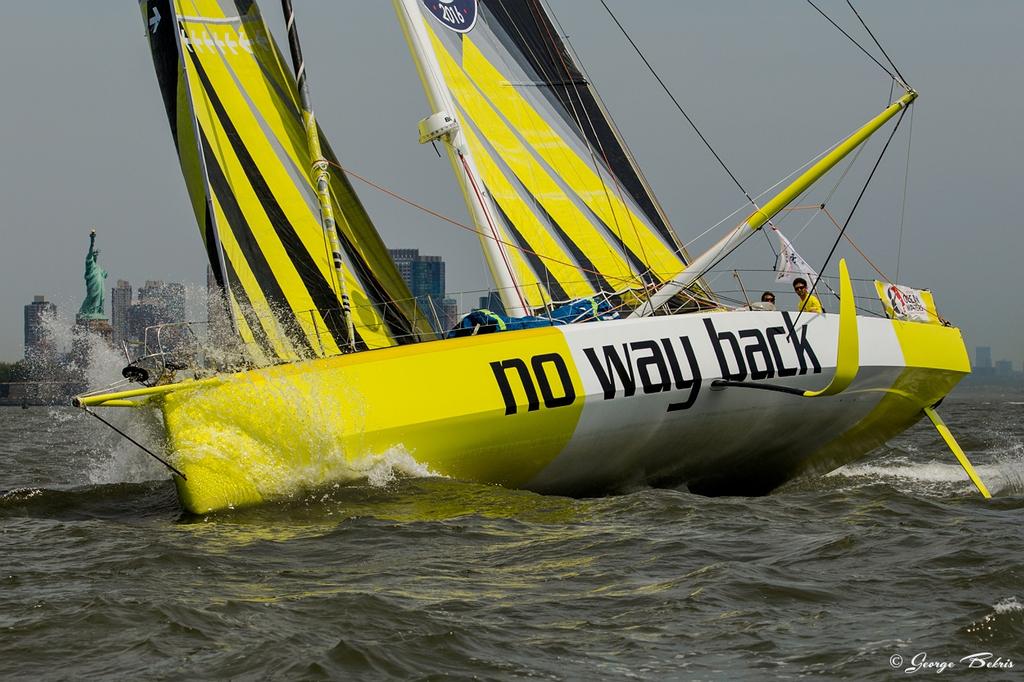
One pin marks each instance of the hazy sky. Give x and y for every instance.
(85, 141)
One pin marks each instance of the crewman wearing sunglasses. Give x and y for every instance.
(808, 301)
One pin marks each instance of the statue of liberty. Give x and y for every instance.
(92, 306)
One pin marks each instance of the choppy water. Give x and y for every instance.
(101, 576)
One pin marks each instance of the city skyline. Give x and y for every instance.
(766, 111)
(158, 303)
(424, 274)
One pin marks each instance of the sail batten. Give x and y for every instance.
(245, 159)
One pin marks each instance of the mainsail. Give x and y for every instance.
(235, 117)
(557, 184)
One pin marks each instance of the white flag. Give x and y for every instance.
(791, 265)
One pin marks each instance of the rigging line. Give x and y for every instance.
(693, 125)
(782, 217)
(550, 81)
(137, 444)
(792, 173)
(903, 207)
(770, 245)
(675, 242)
(553, 46)
(849, 167)
(852, 40)
(678, 106)
(879, 45)
(772, 270)
(725, 255)
(809, 221)
(822, 206)
(854, 245)
(764, 192)
(828, 197)
(472, 229)
(854, 209)
(494, 230)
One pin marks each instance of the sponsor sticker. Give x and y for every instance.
(904, 303)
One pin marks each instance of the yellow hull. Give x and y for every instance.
(534, 409)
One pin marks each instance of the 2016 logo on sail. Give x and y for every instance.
(458, 15)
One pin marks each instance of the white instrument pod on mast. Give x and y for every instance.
(436, 126)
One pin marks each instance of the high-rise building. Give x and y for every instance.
(37, 340)
(425, 277)
(428, 276)
(492, 302)
(158, 304)
(142, 316)
(120, 302)
(451, 313)
(403, 259)
(983, 360)
(1004, 368)
(169, 299)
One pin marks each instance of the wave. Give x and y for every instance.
(1004, 624)
(1008, 605)
(119, 500)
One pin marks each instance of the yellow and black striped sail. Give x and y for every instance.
(236, 121)
(566, 189)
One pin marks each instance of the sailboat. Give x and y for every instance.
(612, 363)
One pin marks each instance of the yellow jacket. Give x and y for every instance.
(811, 304)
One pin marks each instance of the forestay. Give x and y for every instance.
(566, 193)
(237, 126)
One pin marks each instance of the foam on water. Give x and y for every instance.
(116, 460)
(1006, 477)
(281, 433)
(1004, 623)
(312, 425)
(934, 472)
(382, 470)
(83, 353)
(1008, 605)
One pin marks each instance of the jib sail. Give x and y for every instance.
(236, 121)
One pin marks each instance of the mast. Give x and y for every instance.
(319, 169)
(757, 220)
(479, 201)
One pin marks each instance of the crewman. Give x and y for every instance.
(808, 301)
